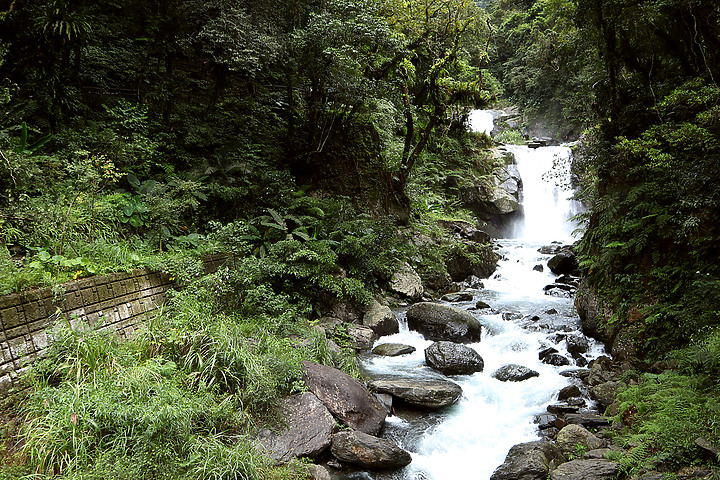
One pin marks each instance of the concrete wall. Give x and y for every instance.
(118, 302)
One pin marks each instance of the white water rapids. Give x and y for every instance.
(470, 439)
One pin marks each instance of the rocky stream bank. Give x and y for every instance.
(338, 422)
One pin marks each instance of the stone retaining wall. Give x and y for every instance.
(118, 302)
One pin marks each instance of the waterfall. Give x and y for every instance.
(481, 121)
(471, 438)
(547, 206)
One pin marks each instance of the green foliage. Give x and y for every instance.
(651, 236)
(665, 414)
(178, 401)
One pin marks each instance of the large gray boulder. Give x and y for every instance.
(586, 470)
(308, 431)
(443, 322)
(406, 282)
(367, 451)
(529, 461)
(453, 358)
(573, 436)
(514, 373)
(426, 393)
(346, 398)
(381, 320)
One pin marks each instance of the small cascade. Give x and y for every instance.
(471, 438)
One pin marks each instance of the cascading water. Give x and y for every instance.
(547, 206)
(471, 438)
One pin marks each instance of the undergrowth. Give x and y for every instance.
(181, 400)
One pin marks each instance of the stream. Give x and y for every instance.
(471, 438)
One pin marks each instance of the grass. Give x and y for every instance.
(180, 401)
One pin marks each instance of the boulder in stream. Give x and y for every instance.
(564, 263)
(453, 358)
(443, 322)
(393, 349)
(458, 297)
(426, 393)
(514, 373)
(529, 461)
(577, 345)
(346, 398)
(367, 451)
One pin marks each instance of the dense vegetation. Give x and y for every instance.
(640, 78)
(149, 133)
(295, 136)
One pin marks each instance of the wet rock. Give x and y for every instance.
(475, 283)
(426, 393)
(346, 398)
(393, 349)
(545, 352)
(308, 432)
(563, 408)
(381, 320)
(443, 322)
(481, 305)
(545, 421)
(514, 373)
(406, 282)
(586, 470)
(553, 249)
(539, 268)
(580, 361)
(569, 392)
(458, 297)
(367, 451)
(564, 262)
(574, 436)
(587, 420)
(558, 292)
(556, 359)
(552, 311)
(511, 316)
(592, 312)
(577, 344)
(529, 461)
(464, 229)
(453, 358)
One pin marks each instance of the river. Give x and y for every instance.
(470, 439)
